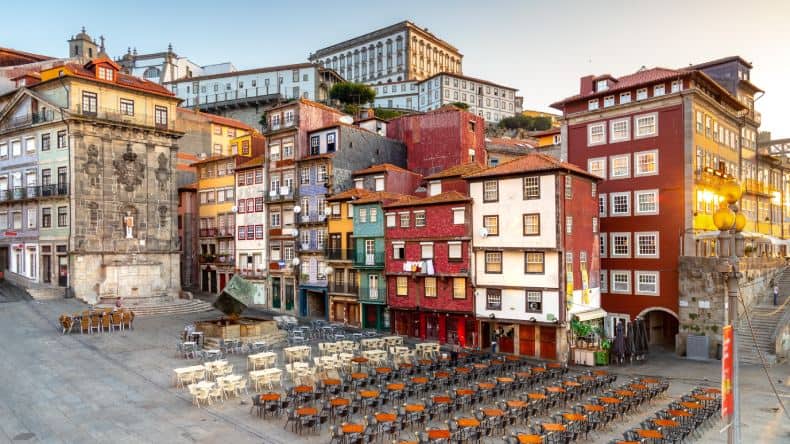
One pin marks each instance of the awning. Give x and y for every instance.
(589, 315)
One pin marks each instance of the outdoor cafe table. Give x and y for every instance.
(438, 434)
(638, 386)
(464, 392)
(571, 384)
(555, 389)
(504, 380)
(395, 386)
(493, 412)
(180, 371)
(538, 369)
(650, 381)
(441, 399)
(441, 375)
(260, 359)
(529, 439)
(524, 375)
(485, 385)
(649, 434)
(337, 402)
(586, 378)
(554, 365)
(269, 397)
(679, 413)
(213, 353)
(331, 381)
(691, 405)
(704, 398)
(594, 408)
(712, 390)
(609, 400)
(553, 427)
(419, 380)
(411, 408)
(467, 422)
(536, 396)
(392, 340)
(516, 404)
(383, 370)
(666, 422)
(480, 366)
(306, 411)
(303, 389)
(463, 370)
(353, 428)
(386, 417)
(406, 365)
(574, 417)
(257, 375)
(605, 373)
(297, 352)
(359, 375)
(624, 392)
(368, 393)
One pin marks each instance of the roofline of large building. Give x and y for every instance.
(472, 79)
(719, 61)
(38, 57)
(406, 24)
(244, 72)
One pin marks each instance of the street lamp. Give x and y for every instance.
(730, 222)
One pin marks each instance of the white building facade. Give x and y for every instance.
(400, 95)
(251, 257)
(489, 100)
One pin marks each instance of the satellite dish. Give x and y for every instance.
(484, 232)
(234, 209)
(297, 209)
(348, 120)
(295, 261)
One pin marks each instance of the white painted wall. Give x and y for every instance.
(492, 103)
(514, 303)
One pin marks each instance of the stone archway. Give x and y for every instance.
(661, 324)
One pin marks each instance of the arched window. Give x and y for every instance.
(152, 73)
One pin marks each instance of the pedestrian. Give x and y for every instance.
(776, 294)
(118, 303)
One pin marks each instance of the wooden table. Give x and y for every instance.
(649, 434)
(608, 400)
(516, 404)
(524, 375)
(303, 389)
(331, 381)
(554, 365)
(574, 417)
(306, 411)
(650, 381)
(395, 386)
(419, 380)
(638, 386)
(359, 375)
(386, 417)
(467, 422)
(463, 370)
(587, 378)
(530, 439)
(479, 366)
(504, 380)
(338, 402)
(536, 396)
(538, 369)
(438, 434)
(406, 365)
(353, 428)
(486, 385)
(554, 389)
(691, 405)
(442, 399)
(383, 370)
(553, 427)
(464, 392)
(704, 398)
(680, 413)
(411, 408)
(269, 397)
(666, 422)
(441, 375)
(493, 412)
(572, 384)
(368, 393)
(625, 392)
(425, 362)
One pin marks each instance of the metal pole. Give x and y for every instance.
(733, 433)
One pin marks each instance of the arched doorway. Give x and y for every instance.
(661, 325)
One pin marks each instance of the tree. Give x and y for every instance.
(539, 123)
(462, 105)
(350, 93)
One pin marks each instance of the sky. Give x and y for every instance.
(540, 47)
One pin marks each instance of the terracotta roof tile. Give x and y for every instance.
(641, 77)
(212, 159)
(548, 132)
(380, 168)
(448, 197)
(529, 163)
(383, 197)
(351, 193)
(121, 79)
(455, 171)
(252, 163)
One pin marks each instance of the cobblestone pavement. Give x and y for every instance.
(118, 387)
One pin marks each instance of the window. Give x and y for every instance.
(379, 184)
(531, 188)
(62, 141)
(127, 107)
(699, 122)
(646, 163)
(625, 98)
(646, 125)
(454, 251)
(621, 204)
(304, 176)
(404, 220)
(601, 85)
(568, 224)
(621, 281)
(491, 224)
(398, 250)
(46, 217)
(641, 94)
(646, 202)
(708, 130)
(490, 191)
(242, 232)
(594, 224)
(620, 166)
(568, 187)
(274, 218)
(315, 143)
(493, 262)
(390, 220)
(419, 218)
(105, 73)
(592, 104)
(604, 283)
(16, 148)
(620, 130)
(160, 116)
(658, 90)
(402, 286)
(597, 166)
(493, 299)
(426, 250)
(677, 85)
(63, 216)
(16, 220)
(430, 287)
(647, 244)
(602, 205)
(534, 301)
(459, 216)
(602, 244)
(45, 142)
(363, 215)
(31, 218)
(459, 288)
(374, 215)
(3, 150)
(534, 262)
(621, 245)
(608, 101)
(646, 282)
(596, 134)
(531, 224)
(258, 203)
(30, 145)
(89, 102)
(321, 174)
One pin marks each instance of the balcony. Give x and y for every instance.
(755, 187)
(34, 192)
(27, 120)
(208, 232)
(226, 232)
(252, 274)
(226, 259)
(280, 194)
(282, 124)
(312, 247)
(135, 118)
(340, 254)
(312, 218)
(363, 259)
(247, 96)
(345, 288)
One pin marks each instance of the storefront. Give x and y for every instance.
(375, 316)
(436, 326)
(313, 301)
(344, 309)
(532, 339)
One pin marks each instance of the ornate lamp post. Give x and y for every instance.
(730, 222)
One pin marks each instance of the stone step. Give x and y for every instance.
(178, 306)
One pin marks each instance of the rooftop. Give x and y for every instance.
(383, 197)
(720, 61)
(448, 197)
(385, 30)
(219, 120)
(381, 168)
(473, 79)
(456, 171)
(121, 79)
(252, 163)
(245, 72)
(351, 194)
(530, 163)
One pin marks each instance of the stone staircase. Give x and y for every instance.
(764, 319)
(175, 307)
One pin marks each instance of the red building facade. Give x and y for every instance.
(428, 268)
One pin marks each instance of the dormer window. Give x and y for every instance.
(104, 73)
(602, 85)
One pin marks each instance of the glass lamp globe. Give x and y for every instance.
(740, 221)
(731, 191)
(724, 217)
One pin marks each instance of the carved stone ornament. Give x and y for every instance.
(92, 167)
(129, 170)
(162, 172)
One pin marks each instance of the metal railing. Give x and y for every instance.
(208, 232)
(34, 192)
(369, 259)
(282, 193)
(341, 254)
(237, 94)
(29, 119)
(312, 218)
(133, 118)
(343, 288)
(222, 259)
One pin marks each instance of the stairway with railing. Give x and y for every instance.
(765, 318)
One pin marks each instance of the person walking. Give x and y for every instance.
(776, 295)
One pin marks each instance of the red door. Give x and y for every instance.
(548, 343)
(223, 278)
(526, 340)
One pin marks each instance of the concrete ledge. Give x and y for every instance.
(36, 291)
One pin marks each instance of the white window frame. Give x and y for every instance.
(612, 197)
(590, 127)
(603, 285)
(450, 247)
(595, 224)
(641, 94)
(426, 247)
(612, 244)
(603, 245)
(593, 104)
(638, 134)
(625, 97)
(390, 220)
(637, 156)
(602, 212)
(608, 101)
(459, 212)
(612, 274)
(639, 291)
(637, 208)
(640, 234)
(568, 224)
(396, 246)
(676, 86)
(419, 218)
(659, 90)
(613, 138)
(612, 175)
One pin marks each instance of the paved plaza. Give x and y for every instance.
(118, 387)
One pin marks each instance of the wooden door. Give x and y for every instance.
(526, 340)
(548, 343)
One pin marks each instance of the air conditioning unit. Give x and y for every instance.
(535, 306)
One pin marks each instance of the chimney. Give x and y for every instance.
(586, 85)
